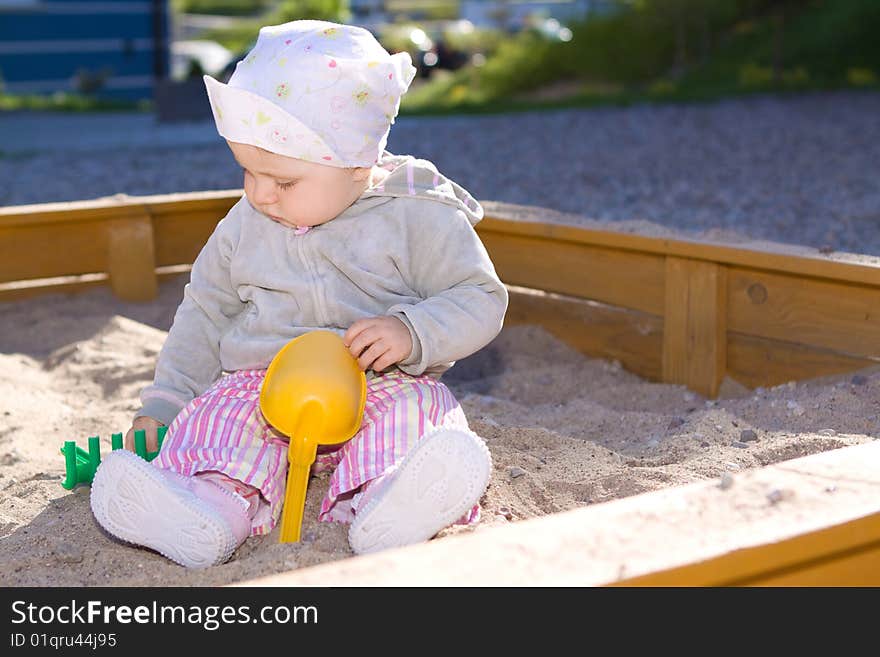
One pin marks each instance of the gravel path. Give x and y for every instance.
(803, 170)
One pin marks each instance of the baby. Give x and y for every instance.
(333, 232)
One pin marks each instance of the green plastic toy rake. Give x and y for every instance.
(80, 465)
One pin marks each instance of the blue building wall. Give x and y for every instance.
(111, 48)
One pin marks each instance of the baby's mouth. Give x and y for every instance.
(280, 220)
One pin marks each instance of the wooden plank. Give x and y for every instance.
(182, 226)
(131, 261)
(829, 314)
(636, 340)
(31, 237)
(695, 331)
(828, 324)
(505, 219)
(623, 278)
(861, 568)
(765, 362)
(180, 236)
(828, 523)
(76, 212)
(596, 330)
(20, 290)
(841, 555)
(113, 206)
(46, 251)
(791, 258)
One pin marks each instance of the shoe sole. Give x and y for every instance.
(132, 501)
(443, 476)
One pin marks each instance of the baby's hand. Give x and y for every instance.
(149, 425)
(378, 342)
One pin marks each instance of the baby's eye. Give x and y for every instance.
(286, 185)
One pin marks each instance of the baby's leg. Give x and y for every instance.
(213, 483)
(248, 496)
(223, 438)
(413, 468)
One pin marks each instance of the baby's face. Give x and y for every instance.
(295, 192)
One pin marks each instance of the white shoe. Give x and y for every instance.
(193, 522)
(435, 484)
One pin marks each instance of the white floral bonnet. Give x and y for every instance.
(313, 90)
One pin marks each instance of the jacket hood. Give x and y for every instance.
(409, 176)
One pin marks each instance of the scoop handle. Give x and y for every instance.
(301, 455)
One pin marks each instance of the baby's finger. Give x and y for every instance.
(152, 440)
(384, 361)
(364, 339)
(128, 443)
(374, 352)
(356, 329)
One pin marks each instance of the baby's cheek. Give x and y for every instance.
(288, 204)
(248, 183)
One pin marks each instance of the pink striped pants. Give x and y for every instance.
(223, 430)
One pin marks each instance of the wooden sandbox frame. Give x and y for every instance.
(670, 310)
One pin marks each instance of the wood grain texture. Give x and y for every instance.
(690, 535)
(695, 331)
(790, 258)
(180, 237)
(622, 278)
(765, 362)
(841, 316)
(131, 260)
(20, 290)
(839, 555)
(39, 251)
(790, 313)
(597, 330)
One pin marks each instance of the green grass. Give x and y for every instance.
(592, 96)
(616, 60)
(429, 9)
(64, 102)
(220, 7)
(610, 98)
(627, 58)
(239, 38)
(829, 46)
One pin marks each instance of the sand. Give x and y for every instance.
(564, 431)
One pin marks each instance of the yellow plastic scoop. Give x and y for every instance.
(314, 393)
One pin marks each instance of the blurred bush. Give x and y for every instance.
(675, 48)
(861, 77)
(221, 7)
(327, 10)
(240, 38)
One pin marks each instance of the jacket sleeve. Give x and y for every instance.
(189, 361)
(463, 299)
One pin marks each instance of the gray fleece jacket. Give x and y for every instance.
(406, 248)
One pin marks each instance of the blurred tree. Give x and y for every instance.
(782, 11)
(690, 22)
(220, 7)
(328, 10)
